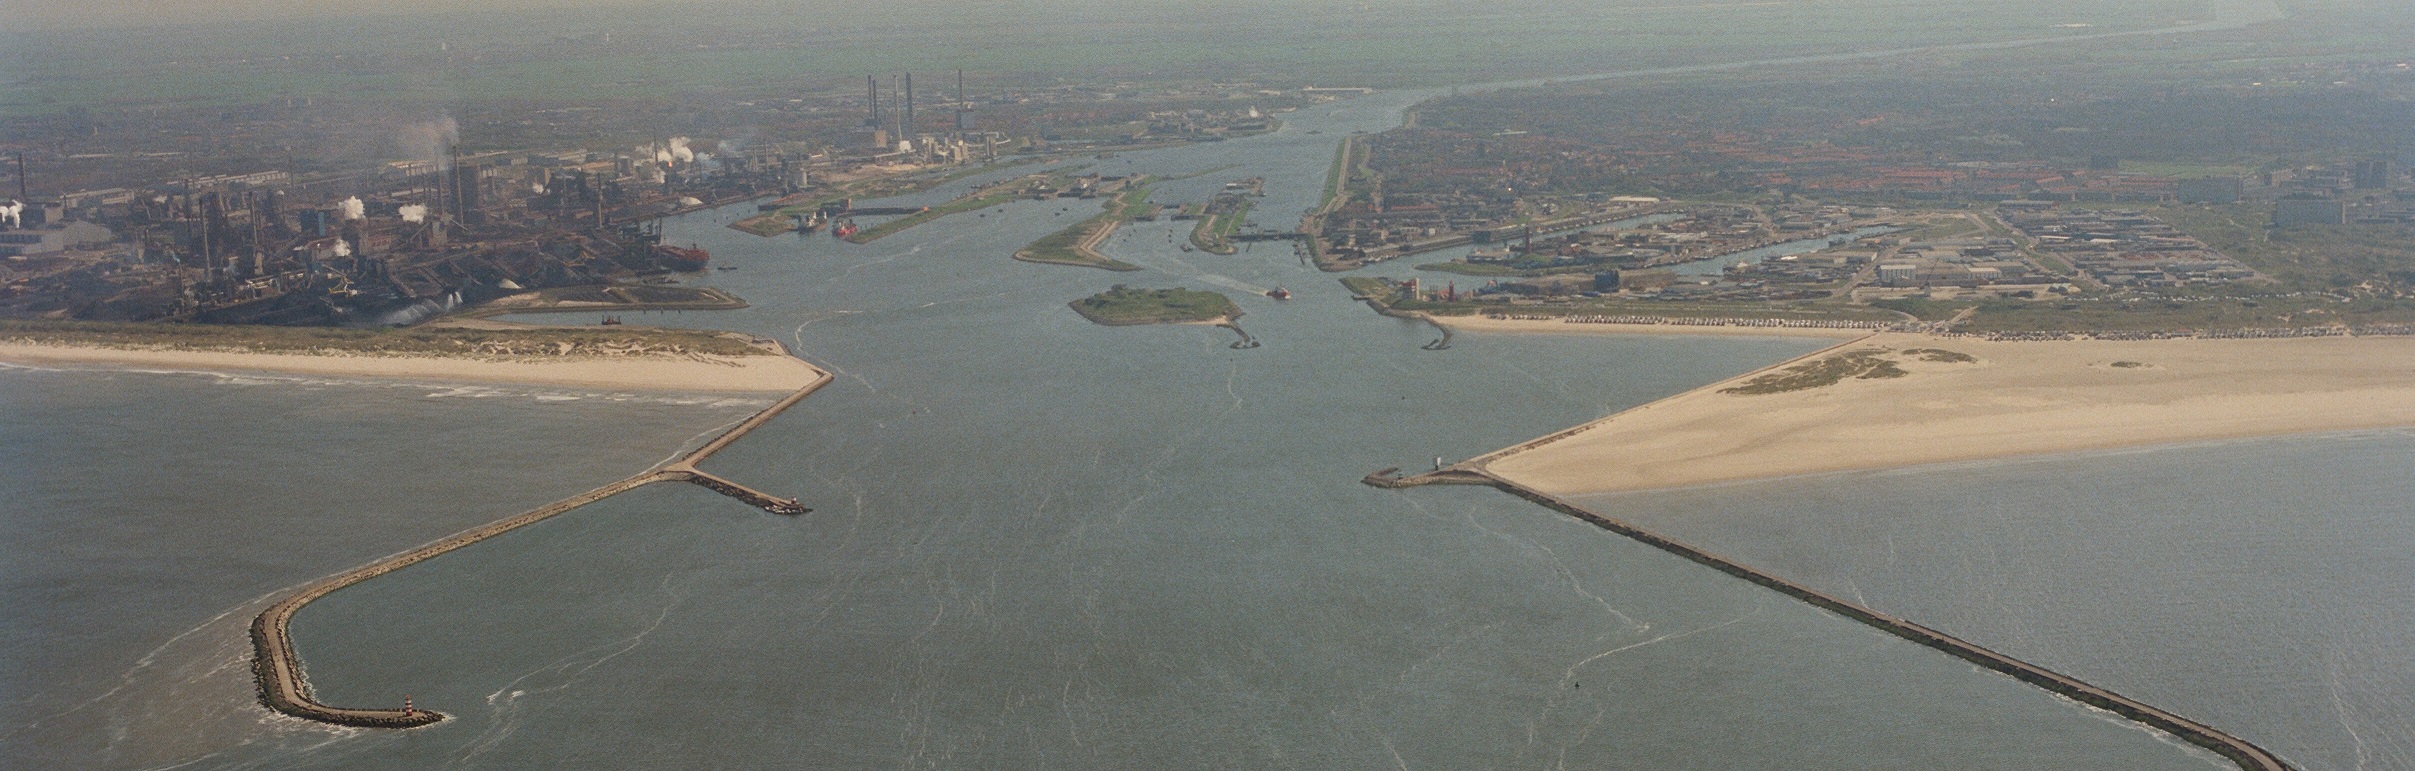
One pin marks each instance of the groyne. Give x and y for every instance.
(277, 668)
(2240, 751)
(1383, 308)
(1246, 341)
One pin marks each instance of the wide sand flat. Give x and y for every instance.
(1557, 327)
(766, 373)
(2019, 398)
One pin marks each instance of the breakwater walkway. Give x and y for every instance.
(277, 669)
(2240, 751)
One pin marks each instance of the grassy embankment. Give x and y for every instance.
(417, 341)
(993, 196)
(1124, 306)
(783, 220)
(1867, 364)
(1077, 245)
(1346, 160)
(1390, 294)
(766, 225)
(609, 299)
(1214, 232)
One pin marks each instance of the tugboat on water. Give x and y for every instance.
(843, 229)
(1280, 293)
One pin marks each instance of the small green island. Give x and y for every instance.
(1124, 306)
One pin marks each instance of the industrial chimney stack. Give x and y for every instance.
(964, 105)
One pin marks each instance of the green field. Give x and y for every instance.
(1002, 193)
(1866, 364)
(2313, 257)
(767, 225)
(1064, 246)
(1214, 233)
(1123, 306)
(1390, 293)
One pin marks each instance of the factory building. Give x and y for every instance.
(59, 237)
(2308, 210)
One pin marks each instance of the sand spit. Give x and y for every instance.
(693, 372)
(2013, 398)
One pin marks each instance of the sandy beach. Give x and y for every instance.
(1557, 327)
(2016, 398)
(765, 373)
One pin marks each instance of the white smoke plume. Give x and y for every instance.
(342, 249)
(413, 213)
(431, 141)
(680, 152)
(13, 214)
(536, 189)
(352, 209)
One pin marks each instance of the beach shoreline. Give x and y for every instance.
(766, 373)
(2013, 399)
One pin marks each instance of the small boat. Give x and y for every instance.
(1280, 293)
(843, 229)
(611, 321)
(725, 267)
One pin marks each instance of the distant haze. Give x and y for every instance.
(113, 13)
(21, 14)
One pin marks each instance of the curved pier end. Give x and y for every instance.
(1246, 342)
(277, 669)
(2240, 751)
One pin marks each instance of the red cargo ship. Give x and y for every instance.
(682, 259)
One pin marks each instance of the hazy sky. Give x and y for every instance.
(84, 13)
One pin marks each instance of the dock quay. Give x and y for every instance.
(2245, 754)
(277, 668)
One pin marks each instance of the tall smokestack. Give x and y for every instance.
(21, 196)
(964, 104)
(872, 97)
(907, 128)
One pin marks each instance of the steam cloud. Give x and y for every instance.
(13, 213)
(676, 150)
(414, 213)
(342, 249)
(432, 141)
(352, 208)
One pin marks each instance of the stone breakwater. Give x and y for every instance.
(277, 669)
(2240, 751)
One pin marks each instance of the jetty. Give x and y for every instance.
(2246, 754)
(277, 669)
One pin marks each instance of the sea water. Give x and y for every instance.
(1038, 543)
(2257, 585)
